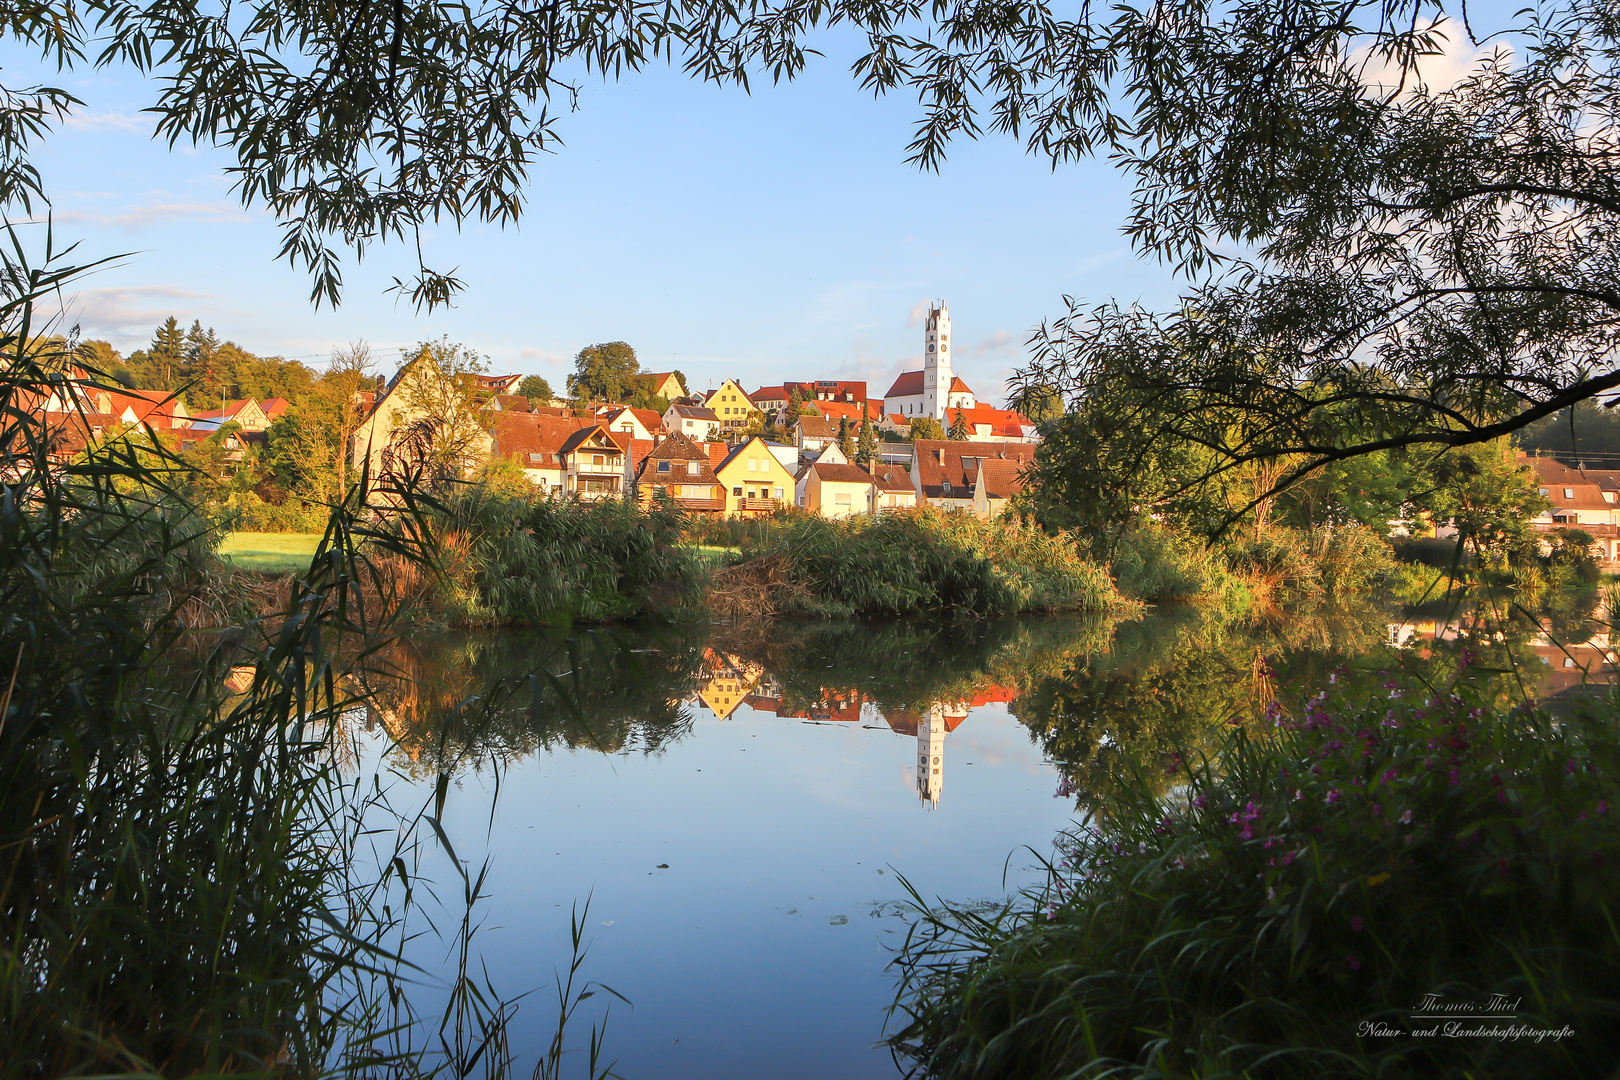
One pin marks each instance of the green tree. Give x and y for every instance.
(794, 408)
(536, 389)
(1037, 403)
(1487, 496)
(846, 438)
(926, 427)
(605, 372)
(444, 439)
(866, 448)
(164, 359)
(959, 427)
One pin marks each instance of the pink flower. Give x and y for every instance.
(1406, 818)
(1391, 776)
(1333, 796)
(1355, 965)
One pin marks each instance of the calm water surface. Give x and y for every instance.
(738, 805)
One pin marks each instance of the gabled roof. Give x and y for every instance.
(818, 427)
(958, 386)
(931, 472)
(230, 410)
(840, 474)
(835, 410)
(155, 408)
(1000, 479)
(1000, 421)
(511, 402)
(521, 434)
(69, 433)
(586, 433)
(743, 445)
(718, 452)
(680, 448)
(891, 478)
(695, 412)
(908, 384)
(274, 407)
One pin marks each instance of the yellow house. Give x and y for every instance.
(755, 480)
(664, 384)
(733, 407)
(837, 491)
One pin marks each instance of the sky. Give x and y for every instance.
(766, 237)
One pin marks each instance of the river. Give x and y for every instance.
(739, 805)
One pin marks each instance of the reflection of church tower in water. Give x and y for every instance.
(931, 754)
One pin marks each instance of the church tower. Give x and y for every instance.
(931, 750)
(937, 362)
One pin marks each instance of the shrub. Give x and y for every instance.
(1318, 877)
(924, 560)
(1153, 563)
(524, 559)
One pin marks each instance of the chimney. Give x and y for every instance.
(941, 453)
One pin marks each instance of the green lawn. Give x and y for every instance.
(712, 556)
(271, 553)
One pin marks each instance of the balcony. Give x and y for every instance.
(758, 506)
(701, 505)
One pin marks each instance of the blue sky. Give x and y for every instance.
(768, 237)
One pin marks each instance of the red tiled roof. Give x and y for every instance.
(909, 384)
(274, 407)
(891, 478)
(817, 427)
(1000, 421)
(1001, 479)
(933, 472)
(518, 435)
(958, 386)
(718, 452)
(841, 474)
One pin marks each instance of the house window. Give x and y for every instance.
(753, 493)
(597, 459)
(841, 499)
(693, 468)
(753, 466)
(663, 466)
(537, 457)
(777, 493)
(736, 491)
(1569, 493)
(689, 423)
(1544, 491)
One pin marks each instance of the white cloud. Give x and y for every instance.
(544, 356)
(158, 213)
(109, 122)
(1000, 343)
(919, 312)
(1457, 59)
(125, 315)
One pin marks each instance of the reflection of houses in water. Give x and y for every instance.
(1564, 664)
(727, 681)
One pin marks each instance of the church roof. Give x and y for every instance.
(909, 384)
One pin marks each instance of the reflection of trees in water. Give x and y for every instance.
(454, 700)
(909, 664)
(1174, 683)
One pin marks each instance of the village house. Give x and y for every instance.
(534, 443)
(499, 384)
(594, 465)
(507, 403)
(837, 491)
(681, 469)
(856, 414)
(831, 454)
(246, 414)
(379, 437)
(161, 410)
(895, 424)
(732, 406)
(998, 481)
(891, 489)
(772, 400)
(697, 422)
(274, 408)
(664, 384)
(643, 424)
(812, 434)
(986, 424)
(755, 481)
(946, 471)
(1581, 499)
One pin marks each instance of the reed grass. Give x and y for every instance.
(185, 881)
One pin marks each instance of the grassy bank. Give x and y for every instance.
(897, 564)
(1256, 913)
(269, 553)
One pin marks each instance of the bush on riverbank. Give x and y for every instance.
(1318, 877)
(1278, 566)
(923, 560)
(513, 559)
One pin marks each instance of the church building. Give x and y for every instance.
(934, 389)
